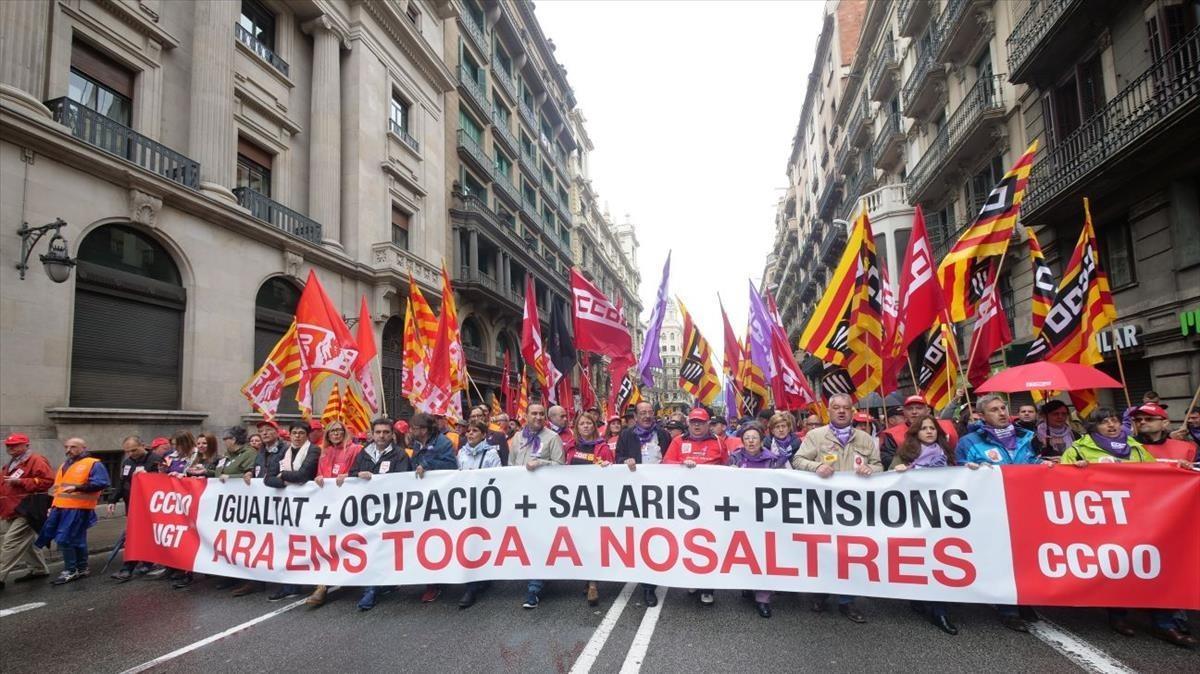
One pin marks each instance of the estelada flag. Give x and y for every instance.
(326, 344)
(365, 338)
(1043, 282)
(333, 405)
(458, 360)
(599, 325)
(987, 237)
(697, 375)
(280, 369)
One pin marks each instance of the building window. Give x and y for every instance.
(472, 68)
(503, 61)
(468, 124)
(274, 307)
(500, 111)
(414, 15)
(400, 223)
(99, 83)
(472, 338)
(529, 192)
(472, 187)
(503, 164)
(259, 22)
(980, 185)
(254, 167)
(123, 272)
(398, 116)
(1117, 253)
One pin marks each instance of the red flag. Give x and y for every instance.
(506, 393)
(531, 337)
(325, 342)
(365, 338)
(733, 349)
(790, 387)
(586, 394)
(920, 301)
(441, 386)
(600, 325)
(991, 333)
(566, 394)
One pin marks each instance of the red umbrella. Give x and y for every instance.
(1048, 376)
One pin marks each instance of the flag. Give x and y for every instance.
(920, 301)
(599, 324)
(496, 410)
(730, 395)
(990, 334)
(733, 350)
(834, 380)
(531, 341)
(458, 360)
(939, 367)
(523, 396)
(625, 393)
(280, 369)
(758, 335)
(506, 392)
(987, 237)
(790, 387)
(1082, 308)
(651, 358)
(420, 333)
(697, 375)
(441, 392)
(365, 339)
(355, 413)
(333, 405)
(587, 394)
(561, 350)
(1043, 282)
(825, 335)
(326, 346)
(865, 337)
(752, 384)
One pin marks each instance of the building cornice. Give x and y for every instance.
(410, 42)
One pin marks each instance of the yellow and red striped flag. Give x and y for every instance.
(825, 335)
(864, 339)
(333, 405)
(1043, 282)
(697, 375)
(280, 369)
(355, 412)
(458, 361)
(988, 236)
(523, 396)
(938, 375)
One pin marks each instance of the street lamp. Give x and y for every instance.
(56, 262)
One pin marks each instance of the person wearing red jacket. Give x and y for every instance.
(26, 473)
(338, 455)
(698, 446)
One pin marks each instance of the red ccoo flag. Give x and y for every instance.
(599, 326)
(921, 301)
(326, 345)
(365, 337)
(991, 332)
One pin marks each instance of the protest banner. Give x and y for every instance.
(1106, 535)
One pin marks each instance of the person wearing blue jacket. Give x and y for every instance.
(997, 442)
(432, 450)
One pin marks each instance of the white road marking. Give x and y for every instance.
(1077, 650)
(4, 613)
(641, 640)
(591, 651)
(214, 638)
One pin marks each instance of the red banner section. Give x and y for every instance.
(1117, 535)
(161, 526)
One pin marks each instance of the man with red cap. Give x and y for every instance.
(695, 447)
(1151, 422)
(316, 436)
(915, 407)
(27, 473)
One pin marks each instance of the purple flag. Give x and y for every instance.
(650, 355)
(760, 334)
(732, 413)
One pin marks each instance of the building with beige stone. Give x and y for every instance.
(667, 391)
(928, 102)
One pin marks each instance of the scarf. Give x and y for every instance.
(1118, 447)
(784, 447)
(644, 434)
(557, 429)
(1195, 434)
(842, 434)
(533, 439)
(1005, 437)
(294, 457)
(476, 450)
(931, 456)
(1058, 437)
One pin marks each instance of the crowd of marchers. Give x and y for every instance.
(40, 506)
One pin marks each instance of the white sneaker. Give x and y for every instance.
(707, 598)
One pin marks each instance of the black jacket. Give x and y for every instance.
(628, 446)
(396, 458)
(500, 440)
(272, 468)
(129, 467)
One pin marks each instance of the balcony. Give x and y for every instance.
(966, 133)
(501, 132)
(469, 150)
(277, 215)
(913, 15)
(527, 116)
(858, 131)
(865, 177)
(889, 143)
(832, 244)
(1042, 37)
(121, 141)
(505, 81)
(404, 136)
(467, 280)
(925, 86)
(260, 49)
(476, 92)
(503, 187)
(830, 196)
(843, 160)
(884, 73)
(958, 32)
(529, 211)
(1165, 98)
(475, 32)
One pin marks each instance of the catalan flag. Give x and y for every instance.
(355, 412)
(280, 369)
(333, 405)
(1043, 282)
(523, 396)
(751, 383)
(987, 237)
(865, 337)
(697, 375)
(420, 335)
(458, 361)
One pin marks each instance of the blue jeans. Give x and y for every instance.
(535, 586)
(75, 557)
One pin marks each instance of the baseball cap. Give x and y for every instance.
(159, 442)
(698, 414)
(862, 418)
(316, 425)
(266, 422)
(916, 400)
(1152, 410)
(718, 419)
(16, 439)
(401, 426)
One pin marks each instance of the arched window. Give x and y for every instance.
(391, 353)
(472, 336)
(127, 343)
(274, 309)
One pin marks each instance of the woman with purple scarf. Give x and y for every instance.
(1054, 434)
(752, 454)
(783, 439)
(926, 445)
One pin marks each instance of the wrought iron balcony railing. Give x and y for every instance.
(985, 98)
(505, 81)
(475, 32)
(117, 139)
(404, 135)
(916, 87)
(277, 215)
(1033, 27)
(501, 130)
(476, 90)
(261, 50)
(469, 145)
(889, 137)
(883, 72)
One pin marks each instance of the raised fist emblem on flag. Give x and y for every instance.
(320, 350)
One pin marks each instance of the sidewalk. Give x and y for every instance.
(101, 538)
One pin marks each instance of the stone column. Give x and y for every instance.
(24, 41)
(473, 252)
(212, 136)
(325, 132)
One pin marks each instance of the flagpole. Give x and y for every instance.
(912, 373)
(1191, 407)
(473, 385)
(1121, 371)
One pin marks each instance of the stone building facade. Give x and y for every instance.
(667, 391)
(928, 102)
(205, 157)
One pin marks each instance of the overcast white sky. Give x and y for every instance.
(691, 106)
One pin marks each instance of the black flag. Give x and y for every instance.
(559, 343)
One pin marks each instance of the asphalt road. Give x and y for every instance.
(99, 625)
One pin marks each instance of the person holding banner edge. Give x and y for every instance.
(589, 449)
(833, 448)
